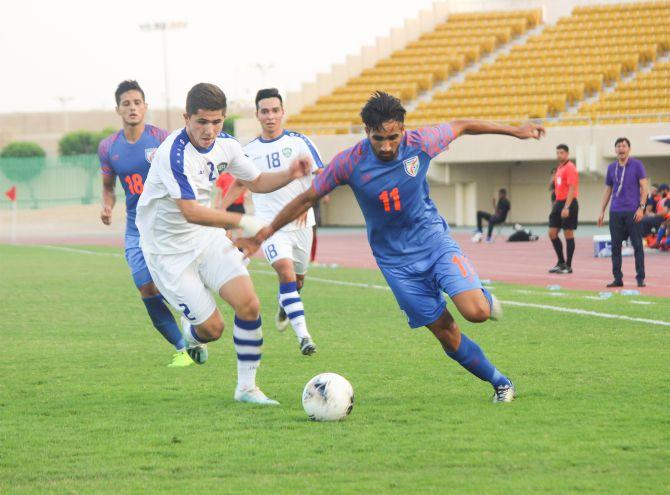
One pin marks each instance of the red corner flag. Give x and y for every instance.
(11, 193)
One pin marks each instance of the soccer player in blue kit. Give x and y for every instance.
(127, 154)
(409, 239)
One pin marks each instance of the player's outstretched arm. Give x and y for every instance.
(290, 212)
(194, 212)
(268, 182)
(467, 126)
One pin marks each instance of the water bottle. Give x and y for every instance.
(629, 292)
(554, 287)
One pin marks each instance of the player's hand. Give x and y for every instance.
(300, 167)
(302, 220)
(565, 213)
(531, 130)
(638, 215)
(600, 219)
(248, 245)
(106, 215)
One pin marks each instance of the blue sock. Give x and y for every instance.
(164, 321)
(472, 358)
(659, 236)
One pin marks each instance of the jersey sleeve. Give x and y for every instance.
(103, 154)
(311, 151)
(173, 171)
(431, 140)
(336, 173)
(240, 166)
(572, 176)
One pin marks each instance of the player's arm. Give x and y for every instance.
(194, 212)
(108, 198)
(235, 190)
(603, 204)
(467, 126)
(290, 212)
(267, 182)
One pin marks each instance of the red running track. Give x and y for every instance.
(519, 262)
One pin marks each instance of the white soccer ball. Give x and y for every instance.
(328, 397)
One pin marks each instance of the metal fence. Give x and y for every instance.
(51, 181)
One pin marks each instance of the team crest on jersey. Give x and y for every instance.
(411, 166)
(149, 153)
(287, 152)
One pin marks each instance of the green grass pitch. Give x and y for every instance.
(88, 406)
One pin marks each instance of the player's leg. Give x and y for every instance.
(159, 313)
(555, 224)
(223, 270)
(633, 228)
(292, 302)
(420, 299)
(470, 356)
(247, 338)
(276, 248)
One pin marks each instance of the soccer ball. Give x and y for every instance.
(328, 397)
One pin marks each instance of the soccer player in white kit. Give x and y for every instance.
(288, 250)
(184, 241)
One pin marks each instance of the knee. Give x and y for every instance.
(148, 290)
(211, 330)
(249, 309)
(478, 312)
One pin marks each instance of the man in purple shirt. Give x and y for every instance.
(626, 183)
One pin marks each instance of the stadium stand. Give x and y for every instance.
(449, 48)
(577, 57)
(568, 71)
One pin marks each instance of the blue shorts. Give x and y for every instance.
(418, 287)
(138, 267)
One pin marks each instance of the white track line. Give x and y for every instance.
(73, 250)
(383, 287)
(560, 309)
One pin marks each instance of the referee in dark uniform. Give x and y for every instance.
(565, 210)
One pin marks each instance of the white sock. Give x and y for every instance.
(248, 341)
(289, 298)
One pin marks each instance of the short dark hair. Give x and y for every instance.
(563, 147)
(663, 187)
(127, 85)
(502, 190)
(205, 96)
(268, 93)
(622, 140)
(380, 108)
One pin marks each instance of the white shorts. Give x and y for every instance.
(188, 289)
(295, 245)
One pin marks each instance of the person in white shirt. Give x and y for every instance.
(287, 251)
(184, 241)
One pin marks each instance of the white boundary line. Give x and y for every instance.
(559, 309)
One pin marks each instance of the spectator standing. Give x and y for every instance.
(626, 184)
